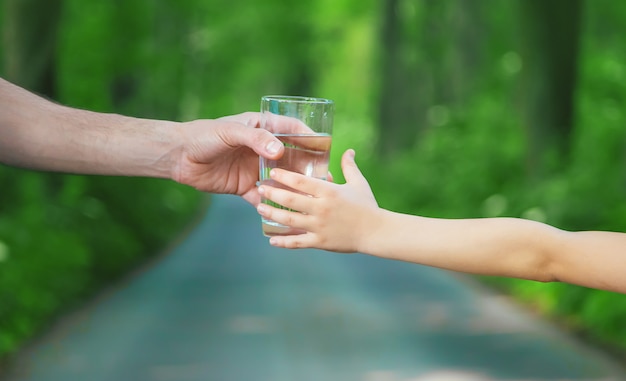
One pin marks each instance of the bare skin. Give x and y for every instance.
(346, 218)
(217, 156)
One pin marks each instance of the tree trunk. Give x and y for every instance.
(551, 33)
(395, 131)
(30, 40)
(431, 53)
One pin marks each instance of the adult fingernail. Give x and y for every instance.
(261, 208)
(273, 147)
(261, 190)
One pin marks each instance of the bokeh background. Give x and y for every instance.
(456, 108)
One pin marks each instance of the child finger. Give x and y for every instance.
(283, 216)
(350, 169)
(297, 181)
(300, 241)
(286, 198)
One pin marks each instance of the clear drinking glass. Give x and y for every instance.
(304, 125)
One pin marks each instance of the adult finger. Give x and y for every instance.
(252, 197)
(281, 124)
(259, 140)
(293, 130)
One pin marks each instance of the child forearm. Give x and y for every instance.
(495, 246)
(508, 247)
(595, 259)
(346, 218)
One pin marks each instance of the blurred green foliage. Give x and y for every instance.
(472, 159)
(62, 236)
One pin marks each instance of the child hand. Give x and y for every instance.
(335, 217)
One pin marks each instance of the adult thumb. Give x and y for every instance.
(259, 140)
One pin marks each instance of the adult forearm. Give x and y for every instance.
(38, 134)
(496, 246)
(108, 144)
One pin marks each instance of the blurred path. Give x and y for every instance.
(224, 305)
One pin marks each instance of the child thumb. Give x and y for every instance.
(350, 169)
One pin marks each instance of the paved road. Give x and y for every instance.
(224, 305)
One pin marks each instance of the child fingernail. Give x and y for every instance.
(261, 190)
(261, 208)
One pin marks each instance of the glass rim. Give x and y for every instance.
(296, 99)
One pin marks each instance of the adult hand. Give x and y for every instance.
(222, 155)
(219, 156)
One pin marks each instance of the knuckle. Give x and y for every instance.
(332, 193)
(299, 244)
(290, 219)
(324, 212)
(250, 118)
(258, 134)
(289, 199)
(292, 244)
(300, 182)
(267, 212)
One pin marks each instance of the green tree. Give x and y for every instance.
(30, 41)
(550, 46)
(396, 130)
(432, 53)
